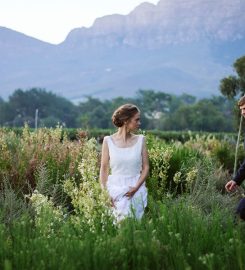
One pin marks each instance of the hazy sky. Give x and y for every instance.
(52, 20)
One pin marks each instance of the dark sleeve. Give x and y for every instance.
(240, 175)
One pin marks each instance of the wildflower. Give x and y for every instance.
(177, 178)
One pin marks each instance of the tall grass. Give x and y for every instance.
(172, 235)
(67, 223)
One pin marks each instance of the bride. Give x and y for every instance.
(125, 156)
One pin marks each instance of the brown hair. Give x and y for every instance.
(241, 101)
(123, 114)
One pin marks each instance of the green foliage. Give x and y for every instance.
(175, 168)
(203, 116)
(231, 86)
(159, 110)
(91, 204)
(21, 107)
(224, 153)
(188, 223)
(159, 156)
(23, 157)
(174, 235)
(12, 205)
(172, 168)
(48, 217)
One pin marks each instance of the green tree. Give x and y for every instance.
(233, 85)
(205, 115)
(6, 114)
(92, 114)
(23, 105)
(153, 103)
(177, 101)
(1, 111)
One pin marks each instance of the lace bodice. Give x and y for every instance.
(125, 161)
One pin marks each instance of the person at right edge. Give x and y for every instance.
(240, 175)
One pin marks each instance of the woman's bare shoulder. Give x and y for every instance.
(140, 136)
(106, 138)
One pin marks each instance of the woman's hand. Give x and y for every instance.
(231, 185)
(112, 203)
(131, 192)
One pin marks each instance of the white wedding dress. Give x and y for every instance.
(126, 166)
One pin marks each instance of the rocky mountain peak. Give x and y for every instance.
(174, 46)
(172, 22)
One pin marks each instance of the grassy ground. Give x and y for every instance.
(172, 235)
(53, 214)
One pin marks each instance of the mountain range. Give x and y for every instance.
(175, 46)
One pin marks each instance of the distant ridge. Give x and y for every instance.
(175, 46)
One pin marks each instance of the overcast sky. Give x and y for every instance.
(52, 20)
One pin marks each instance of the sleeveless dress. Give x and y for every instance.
(126, 166)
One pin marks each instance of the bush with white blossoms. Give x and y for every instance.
(159, 157)
(91, 204)
(177, 178)
(191, 177)
(185, 180)
(47, 216)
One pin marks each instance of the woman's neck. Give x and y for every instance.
(123, 134)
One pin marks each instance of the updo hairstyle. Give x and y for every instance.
(123, 114)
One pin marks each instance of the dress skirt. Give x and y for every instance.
(117, 186)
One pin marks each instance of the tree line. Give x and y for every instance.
(160, 110)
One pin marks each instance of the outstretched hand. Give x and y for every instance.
(131, 192)
(112, 203)
(231, 185)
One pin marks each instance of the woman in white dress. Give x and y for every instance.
(125, 156)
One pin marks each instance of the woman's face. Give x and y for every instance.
(134, 122)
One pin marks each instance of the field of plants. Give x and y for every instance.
(54, 215)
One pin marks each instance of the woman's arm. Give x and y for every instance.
(104, 167)
(144, 172)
